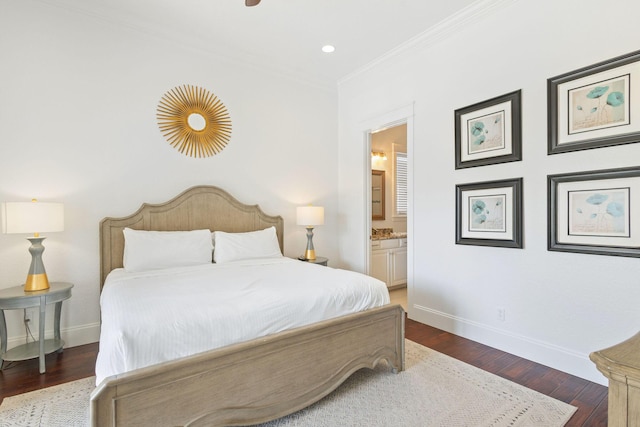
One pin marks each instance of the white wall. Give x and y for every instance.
(559, 306)
(78, 98)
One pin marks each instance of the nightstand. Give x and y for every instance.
(319, 260)
(16, 298)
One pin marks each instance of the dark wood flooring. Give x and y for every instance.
(590, 399)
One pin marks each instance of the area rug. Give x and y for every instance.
(434, 390)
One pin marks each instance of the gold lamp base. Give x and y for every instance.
(36, 282)
(37, 277)
(310, 254)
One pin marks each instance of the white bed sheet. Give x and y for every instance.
(156, 316)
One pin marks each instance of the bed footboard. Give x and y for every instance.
(256, 381)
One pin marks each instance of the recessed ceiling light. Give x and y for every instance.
(328, 48)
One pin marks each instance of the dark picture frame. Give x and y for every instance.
(595, 106)
(490, 213)
(489, 132)
(593, 212)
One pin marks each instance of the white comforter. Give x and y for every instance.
(161, 315)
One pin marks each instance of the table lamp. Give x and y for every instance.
(310, 216)
(33, 217)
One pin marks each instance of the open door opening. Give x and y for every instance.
(389, 199)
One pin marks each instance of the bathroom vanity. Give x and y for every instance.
(389, 259)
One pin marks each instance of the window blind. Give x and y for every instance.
(401, 183)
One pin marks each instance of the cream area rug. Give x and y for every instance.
(434, 390)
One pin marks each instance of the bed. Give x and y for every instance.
(247, 381)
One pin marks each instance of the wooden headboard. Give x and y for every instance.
(201, 207)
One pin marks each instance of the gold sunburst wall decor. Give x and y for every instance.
(194, 121)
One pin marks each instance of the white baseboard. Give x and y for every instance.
(81, 335)
(547, 354)
(74, 336)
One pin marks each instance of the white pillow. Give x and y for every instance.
(253, 244)
(152, 250)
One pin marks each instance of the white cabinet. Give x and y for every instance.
(389, 261)
(379, 265)
(398, 262)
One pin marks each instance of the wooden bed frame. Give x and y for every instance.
(245, 383)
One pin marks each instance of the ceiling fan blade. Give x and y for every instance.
(250, 3)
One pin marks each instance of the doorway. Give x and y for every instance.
(396, 121)
(388, 232)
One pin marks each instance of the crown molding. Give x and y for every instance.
(436, 33)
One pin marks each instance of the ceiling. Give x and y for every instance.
(282, 35)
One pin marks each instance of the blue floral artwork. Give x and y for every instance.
(599, 105)
(486, 133)
(599, 212)
(487, 213)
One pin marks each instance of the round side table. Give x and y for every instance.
(319, 260)
(16, 298)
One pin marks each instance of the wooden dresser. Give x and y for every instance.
(621, 365)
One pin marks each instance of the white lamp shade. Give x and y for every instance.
(32, 217)
(310, 215)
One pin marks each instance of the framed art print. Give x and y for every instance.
(596, 106)
(489, 132)
(595, 212)
(489, 213)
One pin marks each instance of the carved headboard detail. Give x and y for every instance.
(200, 207)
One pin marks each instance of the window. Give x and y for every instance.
(401, 184)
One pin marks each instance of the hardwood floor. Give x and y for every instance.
(590, 399)
(72, 364)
